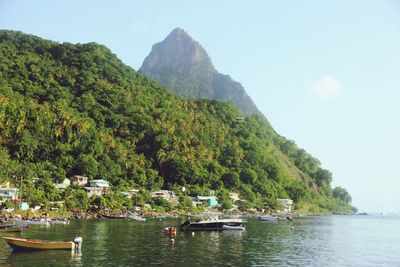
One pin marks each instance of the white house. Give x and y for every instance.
(102, 184)
(63, 185)
(79, 180)
(99, 183)
(9, 193)
(286, 203)
(166, 194)
(131, 193)
(97, 191)
(234, 196)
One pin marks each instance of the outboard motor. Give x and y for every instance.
(185, 225)
(78, 243)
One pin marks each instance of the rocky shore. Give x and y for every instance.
(81, 215)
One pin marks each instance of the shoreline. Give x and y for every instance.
(80, 215)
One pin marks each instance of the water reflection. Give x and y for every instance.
(319, 241)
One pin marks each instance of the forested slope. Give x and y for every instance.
(70, 109)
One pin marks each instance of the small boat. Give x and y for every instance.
(7, 225)
(39, 222)
(213, 224)
(135, 216)
(34, 244)
(33, 222)
(283, 217)
(115, 216)
(169, 230)
(268, 218)
(65, 222)
(14, 228)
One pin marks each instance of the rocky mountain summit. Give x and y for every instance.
(182, 65)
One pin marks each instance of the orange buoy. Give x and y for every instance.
(170, 230)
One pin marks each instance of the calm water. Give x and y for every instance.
(319, 241)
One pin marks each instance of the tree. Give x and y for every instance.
(231, 179)
(87, 164)
(342, 194)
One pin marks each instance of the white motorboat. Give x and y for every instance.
(134, 216)
(65, 222)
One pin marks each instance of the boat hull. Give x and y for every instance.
(115, 217)
(21, 244)
(12, 229)
(211, 225)
(267, 218)
(235, 228)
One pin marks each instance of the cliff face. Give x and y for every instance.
(181, 64)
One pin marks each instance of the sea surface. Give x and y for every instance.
(307, 241)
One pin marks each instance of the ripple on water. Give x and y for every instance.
(320, 241)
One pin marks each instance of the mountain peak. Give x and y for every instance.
(178, 32)
(179, 35)
(178, 52)
(182, 65)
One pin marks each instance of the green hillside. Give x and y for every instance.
(70, 109)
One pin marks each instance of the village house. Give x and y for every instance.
(79, 180)
(65, 183)
(211, 201)
(93, 191)
(9, 194)
(166, 194)
(103, 184)
(234, 197)
(286, 203)
(130, 193)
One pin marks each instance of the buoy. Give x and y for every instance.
(170, 230)
(172, 241)
(292, 228)
(78, 243)
(192, 233)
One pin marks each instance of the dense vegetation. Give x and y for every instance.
(70, 109)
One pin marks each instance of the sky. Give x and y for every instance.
(326, 74)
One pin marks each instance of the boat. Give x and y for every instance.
(284, 218)
(38, 222)
(136, 217)
(115, 216)
(169, 230)
(14, 228)
(34, 222)
(213, 224)
(65, 222)
(35, 244)
(7, 225)
(268, 218)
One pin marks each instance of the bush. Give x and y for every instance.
(164, 204)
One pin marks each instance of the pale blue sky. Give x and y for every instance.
(325, 73)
